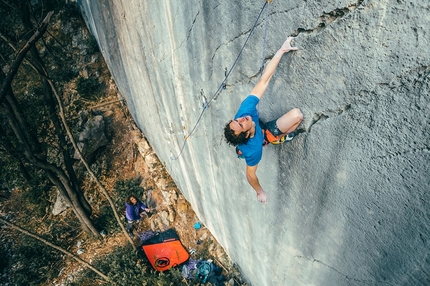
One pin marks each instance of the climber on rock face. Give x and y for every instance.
(249, 134)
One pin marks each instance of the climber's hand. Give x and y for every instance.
(286, 46)
(262, 197)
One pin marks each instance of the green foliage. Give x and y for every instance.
(35, 192)
(32, 106)
(64, 74)
(9, 170)
(124, 188)
(62, 232)
(92, 45)
(71, 10)
(34, 262)
(37, 196)
(107, 220)
(124, 266)
(88, 88)
(4, 254)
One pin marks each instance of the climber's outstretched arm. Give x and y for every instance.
(263, 83)
(251, 176)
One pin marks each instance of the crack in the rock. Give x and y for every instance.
(320, 116)
(245, 33)
(334, 269)
(187, 38)
(232, 40)
(400, 153)
(217, 48)
(371, 282)
(327, 18)
(192, 25)
(257, 75)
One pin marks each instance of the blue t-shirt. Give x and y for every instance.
(253, 149)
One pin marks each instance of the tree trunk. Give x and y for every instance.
(65, 150)
(12, 112)
(62, 115)
(99, 184)
(43, 164)
(38, 65)
(10, 97)
(13, 69)
(84, 220)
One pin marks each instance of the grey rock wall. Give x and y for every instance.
(349, 197)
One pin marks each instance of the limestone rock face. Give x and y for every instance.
(349, 196)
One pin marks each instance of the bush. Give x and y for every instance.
(92, 45)
(33, 262)
(88, 88)
(37, 196)
(4, 254)
(107, 220)
(124, 188)
(64, 74)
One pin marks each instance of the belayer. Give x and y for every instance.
(134, 210)
(246, 133)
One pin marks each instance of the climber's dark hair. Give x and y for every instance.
(127, 200)
(233, 139)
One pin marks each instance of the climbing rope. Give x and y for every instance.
(223, 84)
(264, 42)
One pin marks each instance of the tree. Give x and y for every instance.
(27, 142)
(20, 138)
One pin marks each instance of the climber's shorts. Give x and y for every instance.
(271, 132)
(273, 128)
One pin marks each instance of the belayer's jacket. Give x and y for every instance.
(132, 211)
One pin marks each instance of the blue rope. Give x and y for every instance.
(264, 42)
(221, 85)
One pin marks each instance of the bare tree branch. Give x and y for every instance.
(93, 176)
(21, 55)
(44, 74)
(62, 181)
(54, 246)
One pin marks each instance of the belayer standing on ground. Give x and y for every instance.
(245, 131)
(134, 210)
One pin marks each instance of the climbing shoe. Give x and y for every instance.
(285, 138)
(289, 136)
